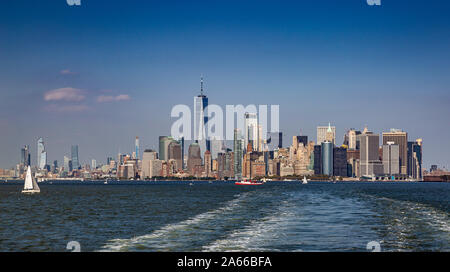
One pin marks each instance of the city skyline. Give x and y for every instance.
(78, 77)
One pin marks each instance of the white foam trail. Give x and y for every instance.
(413, 215)
(259, 235)
(173, 231)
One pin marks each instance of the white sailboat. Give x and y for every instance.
(305, 181)
(31, 185)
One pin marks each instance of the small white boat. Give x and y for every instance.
(30, 186)
(248, 182)
(305, 181)
(190, 184)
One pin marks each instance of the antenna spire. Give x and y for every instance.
(201, 85)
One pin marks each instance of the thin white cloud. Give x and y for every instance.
(65, 94)
(110, 98)
(67, 72)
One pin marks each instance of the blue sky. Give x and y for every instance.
(125, 64)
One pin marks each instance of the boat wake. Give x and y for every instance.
(260, 235)
(176, 236)
(404, 219)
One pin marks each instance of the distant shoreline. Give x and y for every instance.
(208, 181)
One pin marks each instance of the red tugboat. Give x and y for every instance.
(248, 182)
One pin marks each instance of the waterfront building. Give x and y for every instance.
(353, 157)
(94, 164)
(340, 168)
(238, 153)
(370, 164)
(126, 171)
(208, 163)
(317, 160)
(258, 169)
(182, 153)
(74, 156)
(201, 120)
(174, 153)
(194, 160)
(391, 159)
(399, 138)
(156, 168)
(221, 158)
(326, 133)
(327, 158)
(229, 164)
(147, 157)
(286, 169)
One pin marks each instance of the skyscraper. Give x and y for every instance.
(136, 147)
(74, 155)
(340, 162)
(317, 154)
(174, 153)
(274, 140)
(147, 158)
(391, 159)
(67, 164)
(201, 120)
(326, 133)
(300, 139)
(370, 164)
(182, 152)
(208, 163)
(327, 158)
(353, 140)
(237, 146)
(164, 142)
(415, 159)
(41, 154)
(25, 158)
(43, 160)
(194, 159)
(251, 130)
(399, 138)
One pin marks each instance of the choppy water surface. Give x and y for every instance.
(174, 216)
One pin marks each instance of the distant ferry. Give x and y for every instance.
(248, 182)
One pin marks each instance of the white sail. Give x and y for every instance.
(35, 185)
(28, 180)
(30, 185)
(305, 181)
